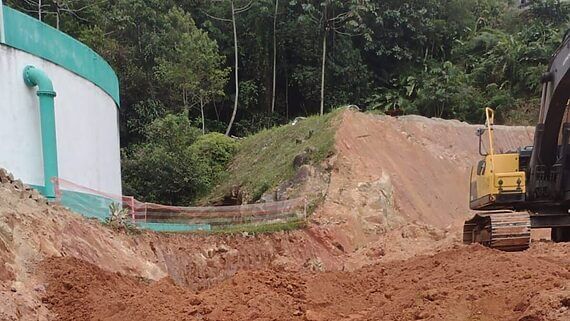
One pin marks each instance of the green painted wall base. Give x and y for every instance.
(88, 205)
(164, 227)
(94, 206)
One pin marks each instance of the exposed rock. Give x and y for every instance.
(5, 176)
(304, 157)
(18, 185)
(312, 315)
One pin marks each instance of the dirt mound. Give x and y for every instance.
(31, 230)
(451, 285)
(81, 291)
(392, 172)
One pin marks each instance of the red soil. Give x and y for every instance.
(465, 283)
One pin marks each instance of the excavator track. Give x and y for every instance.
(502, 230)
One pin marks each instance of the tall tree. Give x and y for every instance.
(274, 55)
(56, 9)
(340, 17)
(233, 12)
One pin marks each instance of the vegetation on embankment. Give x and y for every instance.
(265, 160)
(262, 228)
(176, 163)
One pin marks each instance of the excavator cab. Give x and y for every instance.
(498, 181)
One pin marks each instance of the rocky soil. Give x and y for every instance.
(382, 245)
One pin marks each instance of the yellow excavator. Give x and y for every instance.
(529, 188)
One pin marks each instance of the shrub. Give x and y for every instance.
(119, 219)
(215, 150)
(176, 163)
(164, 168)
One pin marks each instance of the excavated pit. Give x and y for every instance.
(384, 245)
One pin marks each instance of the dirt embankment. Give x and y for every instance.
(31, 232)
(400, 185)
(388, 226)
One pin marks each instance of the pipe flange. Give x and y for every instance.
(27, 77)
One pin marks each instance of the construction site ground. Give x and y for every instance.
(384, 244)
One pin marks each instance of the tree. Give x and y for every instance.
(56, 8)
(175, 164)
(550, 11)
(341, 17)
(233, 12)
(163, 168)
(274, 55)
(194, 64)
(34, 7)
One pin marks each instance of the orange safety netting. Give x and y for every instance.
(93, 203)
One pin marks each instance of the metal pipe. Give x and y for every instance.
(36, 77)
(490, 115)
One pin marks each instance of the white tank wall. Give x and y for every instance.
(86, 122)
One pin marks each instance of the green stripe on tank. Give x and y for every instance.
(39, 39)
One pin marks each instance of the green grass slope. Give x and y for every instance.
(265, 160)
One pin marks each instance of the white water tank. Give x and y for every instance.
(86, 107)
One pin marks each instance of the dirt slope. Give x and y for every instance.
(31, 231)
(391, 172)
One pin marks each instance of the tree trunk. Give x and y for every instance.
(40, 10)
(236, 71)
(323, 73)
(202, 111)
(274, 55)
(57, 17)
(286, 93)
(184, 99)
(216, 110)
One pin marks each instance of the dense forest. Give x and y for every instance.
(189, 67)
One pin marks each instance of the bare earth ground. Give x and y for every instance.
(464, 283)
(384, 245)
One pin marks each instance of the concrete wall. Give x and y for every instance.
(86, 122)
